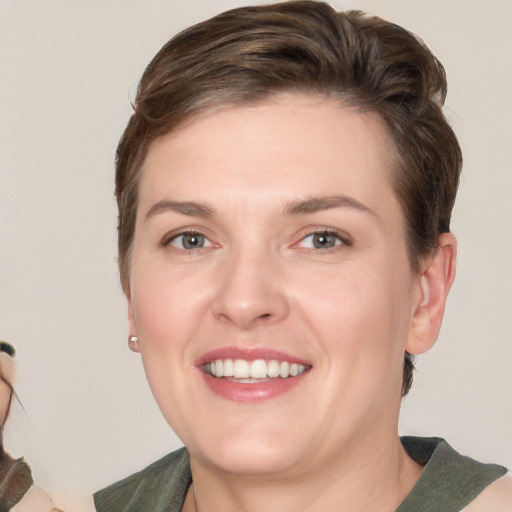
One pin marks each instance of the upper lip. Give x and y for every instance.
(249, 354)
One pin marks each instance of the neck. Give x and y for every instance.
(375, 474)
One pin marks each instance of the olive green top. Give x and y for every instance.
(448, 482)
(15, 480)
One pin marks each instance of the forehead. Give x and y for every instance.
(291, 145)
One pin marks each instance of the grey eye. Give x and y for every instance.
(190, 241)
(320, 240)
(323, 240)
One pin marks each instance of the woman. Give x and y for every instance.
(285, 189)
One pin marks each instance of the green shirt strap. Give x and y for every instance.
(449, 481)
(161, 487)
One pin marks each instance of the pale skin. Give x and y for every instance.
(275, 226)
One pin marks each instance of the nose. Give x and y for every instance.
(250, 292)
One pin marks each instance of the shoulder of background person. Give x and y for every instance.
(497, 497)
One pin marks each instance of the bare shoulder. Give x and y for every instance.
(35, 499)
(496, 498)
(74, 504)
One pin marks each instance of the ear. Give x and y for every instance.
(434, 283)
(133, 343)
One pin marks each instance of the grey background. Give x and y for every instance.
(67, 72)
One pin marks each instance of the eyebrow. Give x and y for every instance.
(295, 208)
(189, 208)
(318, 204)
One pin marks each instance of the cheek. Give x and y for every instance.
(169, 305)
(359, 314)
(166, 319)
(166, 306)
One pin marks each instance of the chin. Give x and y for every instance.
(249, 451)
(250, 459)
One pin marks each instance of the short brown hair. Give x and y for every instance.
(248, 54)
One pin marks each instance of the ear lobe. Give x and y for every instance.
(434, 283)
(133, 343)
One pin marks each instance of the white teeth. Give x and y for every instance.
(257, 369)
(229, 370)
(241, 369)
(219, 367)
(273, 368)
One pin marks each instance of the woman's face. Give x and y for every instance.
(269, 242)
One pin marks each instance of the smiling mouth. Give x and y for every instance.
(249, 372)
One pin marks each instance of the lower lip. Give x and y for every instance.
(244, 392)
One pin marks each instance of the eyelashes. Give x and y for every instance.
(187, 240)
(324, 240)
(319, 240)
(190, 241)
